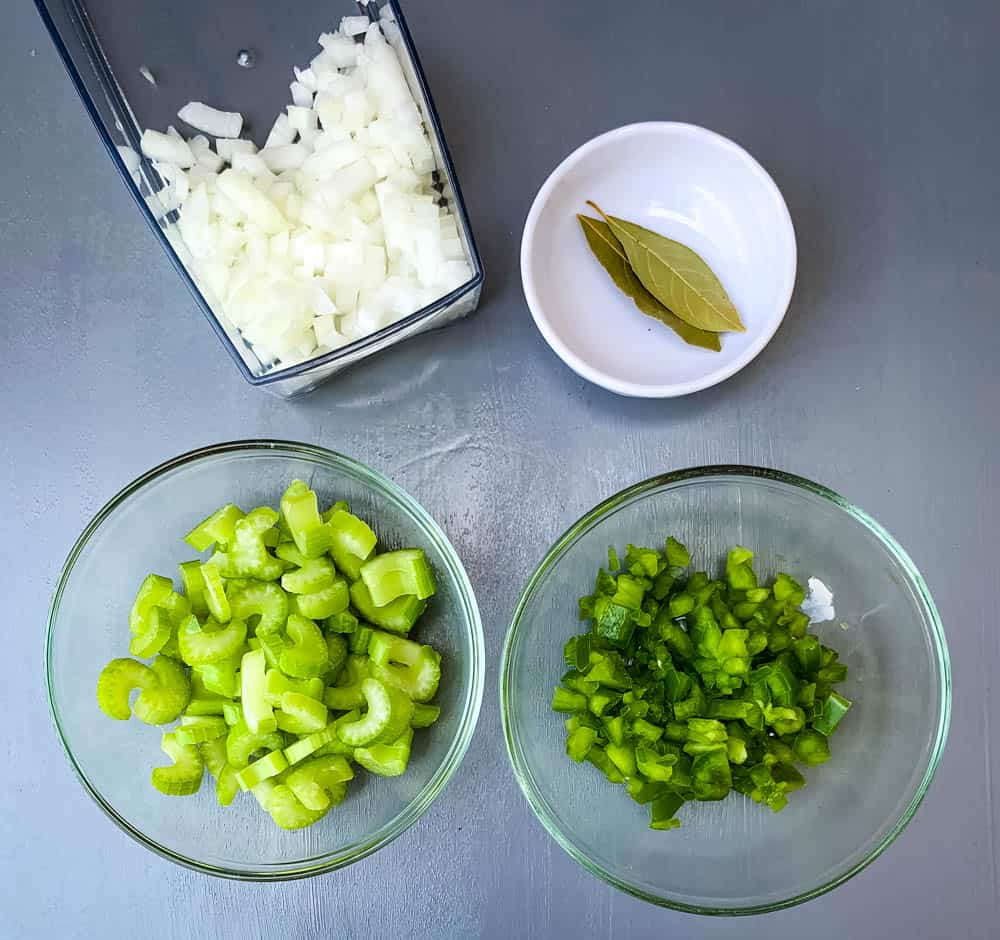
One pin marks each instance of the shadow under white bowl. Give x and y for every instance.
(689, 184)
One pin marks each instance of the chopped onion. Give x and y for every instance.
(334, 229)
(146, 74)
(166, 148)
(211, 120)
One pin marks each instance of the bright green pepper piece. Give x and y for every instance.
(579, 742)
(711, 776)
(834, 708)
(811, 747)
(563, 700)
(677, 555)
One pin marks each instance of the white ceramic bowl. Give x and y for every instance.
(689, 184)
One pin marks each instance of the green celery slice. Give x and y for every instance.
(315, 575)
(199, 729)
(398, 616)
(287, 810)
(301, 714)
(164, 702)
(352, 540)
(215, 593)
(263, 599)
(424, 715)
(212, 643)
(256, 711)
(194, 586)
(386, 760)
(321, 604)
(117, 681)
(154, 632)
(308, 656)
(276, 684)
(396, 574)
(153, 592)
(270, 765)
(419, 680)
(184, 775)
(389, 711)
(217, 529)
(320, 782)
(300, 513)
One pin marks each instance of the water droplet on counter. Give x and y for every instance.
(245, 59)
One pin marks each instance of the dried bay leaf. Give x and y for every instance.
(676, 276)
(608, 250)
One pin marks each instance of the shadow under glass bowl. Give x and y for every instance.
(735, 856)
(142, 530)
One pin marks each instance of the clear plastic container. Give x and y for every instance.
(194, 50)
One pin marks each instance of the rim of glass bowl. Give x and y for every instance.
(418, 806)
(931, 624)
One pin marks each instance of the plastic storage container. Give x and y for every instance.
(195, 50)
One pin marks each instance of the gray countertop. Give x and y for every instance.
(878, 121)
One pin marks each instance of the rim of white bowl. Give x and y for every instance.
(583, 368)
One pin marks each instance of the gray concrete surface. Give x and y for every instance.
(879, 122)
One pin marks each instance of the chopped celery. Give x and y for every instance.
(256, 711)
(388, 715)
(352, 542)
(398, 616)
(218, 529)
(211, 643)
(240, 660)
(308, 655)
(117, 680)
(270, 765)
(396, 574)
(183, 776)
(386, 760)
(321, 604)
(261, 599)
(300, 513)
(165, 701)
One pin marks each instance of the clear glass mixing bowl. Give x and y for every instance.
(735, 856)
(141, 530)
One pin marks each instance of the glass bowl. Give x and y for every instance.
(735, 856)
(141, 530)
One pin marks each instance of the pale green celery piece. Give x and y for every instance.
(118, 679)
(300, 512)
(215, 593)
(315, 575)
(353, 542)
(318, 605)
(386, 760)
(183, 777)
(408, 666)
(212, 643)
(270, 765)
(153, 591)
(276, 684)
(164, 702)
(396, 574)
(389, 713)
(287, 810)
(311, 714)
(424, 715)
(154, 632)
(263, 599)
(256, 711)
(398, 616)
(307, 656)
(197, 729)
(217, 529)
(320, 781)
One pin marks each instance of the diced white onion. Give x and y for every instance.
(333, 229)
(166, 148)
(211, 120)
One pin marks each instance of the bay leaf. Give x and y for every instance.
(676, 276)
(608, 250)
